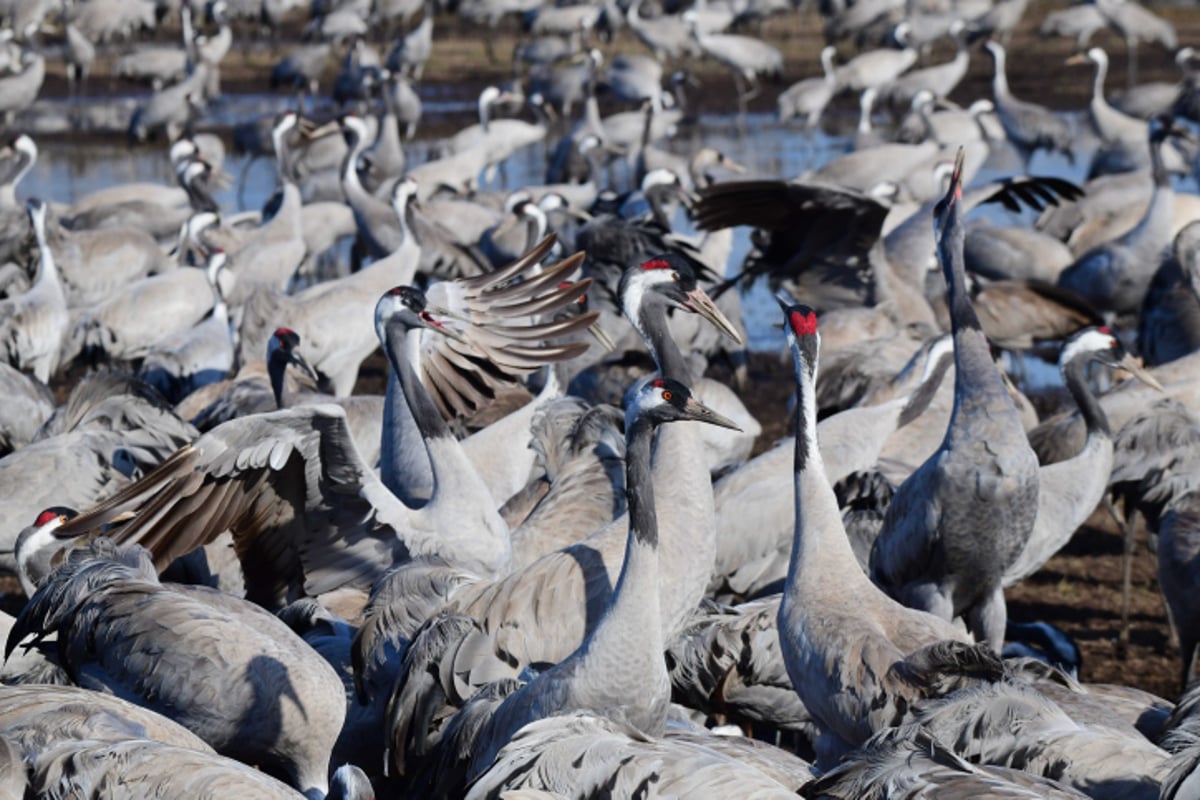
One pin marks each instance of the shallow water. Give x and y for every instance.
(66, 171)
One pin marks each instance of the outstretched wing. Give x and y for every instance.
(306, 513)
(510, 322)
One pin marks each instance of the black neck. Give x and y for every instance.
(425, 414)
(1089, 406)
(657, 335)
(639, 487)
(276, 368)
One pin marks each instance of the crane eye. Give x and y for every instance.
(666, 395)
(674, 276)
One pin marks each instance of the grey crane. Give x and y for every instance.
(179, 364)
(1149, 100)
(144, 769)
(1115, 275)
(909, 759)
(637, 693)
(1169, 320)
(665, 36)
(877, 68)
(845, 643)
(408, 57)
(809, 97)
(139, 637)
(1136, 24)
(1079, 22)
(635, 78)
(1029, 127)
(747, 58)
(938, 79)
(23, 154)
(124, 326)
(170, 109)
(35, 715)
(756, 519)
(95, 264)
(302, 67)
(1155, 465)
(958, 522)
(999, 21)
(378, 226)
(19, 90)
(364, 413)
(111, 428)
(1069, 490)
(582, 754)
(28, 403)
(582, 575)
(347, 527)
(79, 55)
(32, 325)
(1093, 749)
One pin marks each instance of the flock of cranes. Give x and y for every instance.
(548, 560)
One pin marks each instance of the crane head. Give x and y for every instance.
(664, 400)
(670, 278)
(407, 306)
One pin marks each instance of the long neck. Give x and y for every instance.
(276, 367)
(631, 629)
(350, 182)
(403, 465)
(819, 546)
(999, 78)
(1089, 406)
(47, 270)
(652, 325)
(1098, 85)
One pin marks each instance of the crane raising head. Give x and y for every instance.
(946, 213)
(800, 325)
(670, 279)
(406, 305)
(665, 400)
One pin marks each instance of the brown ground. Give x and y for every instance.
(1079, 590)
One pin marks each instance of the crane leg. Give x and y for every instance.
(1131, 521)
(1131, 66)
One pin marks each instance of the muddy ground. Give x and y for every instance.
(1080, 589)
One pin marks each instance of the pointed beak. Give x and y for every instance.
(603, 338)
(304, 366)
(427, 317)
(733, 166)
(1130, 364)
(695, 410)
(1078, 58)
(700, 303)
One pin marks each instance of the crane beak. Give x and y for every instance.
(1078, 58)
(733, 166)
(700, 303)
(1130, 365)
(304, 366)
(695, 410)
(427, 318)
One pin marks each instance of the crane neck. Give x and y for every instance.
(820, 547)
(1075, 377)
(1098, 100)
(47, 269)
(651, 324)
(639, 488)
(410, 421)
(999, 76)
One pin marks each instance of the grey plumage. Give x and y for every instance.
(1030, 127)
(134, 637)
(959, 521)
